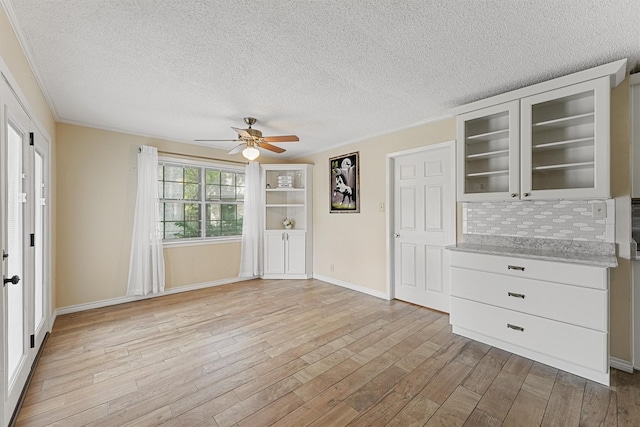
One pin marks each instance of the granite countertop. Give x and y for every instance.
(568, 251)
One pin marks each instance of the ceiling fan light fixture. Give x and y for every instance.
(250, 153)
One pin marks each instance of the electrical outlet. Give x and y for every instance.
(599, 210)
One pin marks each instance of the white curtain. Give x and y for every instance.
(146, 270)
(251, 252)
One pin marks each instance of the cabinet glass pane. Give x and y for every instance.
(486, 154)
(563, 143)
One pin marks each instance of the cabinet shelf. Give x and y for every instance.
(487, 136)
(564, 166)
(488, 173)
(285, 205)
(287, 189)
(487, 155)
(577, 142)
(562, 122)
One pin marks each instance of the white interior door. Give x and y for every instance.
(15, 137)
(24, 235)
(424, 222)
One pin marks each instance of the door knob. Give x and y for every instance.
(396, 234)
(15, 279)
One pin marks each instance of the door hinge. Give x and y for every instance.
(30, 138)
(33, 341)
(33, 239)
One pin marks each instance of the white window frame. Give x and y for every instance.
(195, 241)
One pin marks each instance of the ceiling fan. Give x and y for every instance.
(251, 139)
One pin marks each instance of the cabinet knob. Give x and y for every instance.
(515, 328)
(515, 295)
(514, 194)
(515, 267)
(526, 194)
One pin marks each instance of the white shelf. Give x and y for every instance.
(487, 136)
(285, 205)
(488, 154)
(562, 144)
(284, 189)
(578, 119)
(488, 173)
(563, 166)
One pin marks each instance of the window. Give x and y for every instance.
(199, 202)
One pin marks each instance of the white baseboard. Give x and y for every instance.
(351, 286)
(121, 300)
(623, 365)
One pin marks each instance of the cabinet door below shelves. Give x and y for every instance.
(274, 252)
(295, 252)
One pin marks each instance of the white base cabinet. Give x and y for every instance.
(551, 312)
(285, 255)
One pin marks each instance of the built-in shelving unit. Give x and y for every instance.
(287, 195)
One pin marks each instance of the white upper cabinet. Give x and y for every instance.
(547, 141)
(565, 142)
(489, 153)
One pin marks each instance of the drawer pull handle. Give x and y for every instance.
(515, 295)
(515, 267)
(515, 328)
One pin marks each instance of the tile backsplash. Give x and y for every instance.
(549, 219)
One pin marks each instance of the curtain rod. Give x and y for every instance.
(198, 157)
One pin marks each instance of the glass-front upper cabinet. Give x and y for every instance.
(565, 142)
(488, 153)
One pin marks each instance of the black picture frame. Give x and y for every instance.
(344, 172)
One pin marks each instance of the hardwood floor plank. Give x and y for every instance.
(415, 413)
(445, 382)
(500, 395)
(456, 409)
(296, 353)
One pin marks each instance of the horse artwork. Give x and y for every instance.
(344, 183)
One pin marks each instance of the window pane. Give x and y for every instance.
(213, 192)
(173, 190)
(228, 212)
(160, 172)
(240, 179)
(240, 210)
(191, 229)
(192, 175)
(213, 212)
(173, 173)
(160, 189)
(213, 229)
(172, 230)
(173, 212)
(240, 193)
(213, 176)
(228, 178)
(192, 212)
(192, 191)
(228, 192)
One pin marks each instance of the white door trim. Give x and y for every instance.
(391, 197)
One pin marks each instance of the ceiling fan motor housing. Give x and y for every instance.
(255, 133)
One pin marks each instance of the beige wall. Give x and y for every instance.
(97, 187)
(19, 69)
(356, 243)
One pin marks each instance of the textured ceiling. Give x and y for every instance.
(330, 71)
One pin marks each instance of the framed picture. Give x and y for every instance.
(345, 183)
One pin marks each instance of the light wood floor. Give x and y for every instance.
(297, 353)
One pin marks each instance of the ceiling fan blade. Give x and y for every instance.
(281, 138)
(270, 147)
(242, 132)
(238, 148)
(217, 140)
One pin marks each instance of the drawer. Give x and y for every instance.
(579, 306)
(570, 274)
(573, 344)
